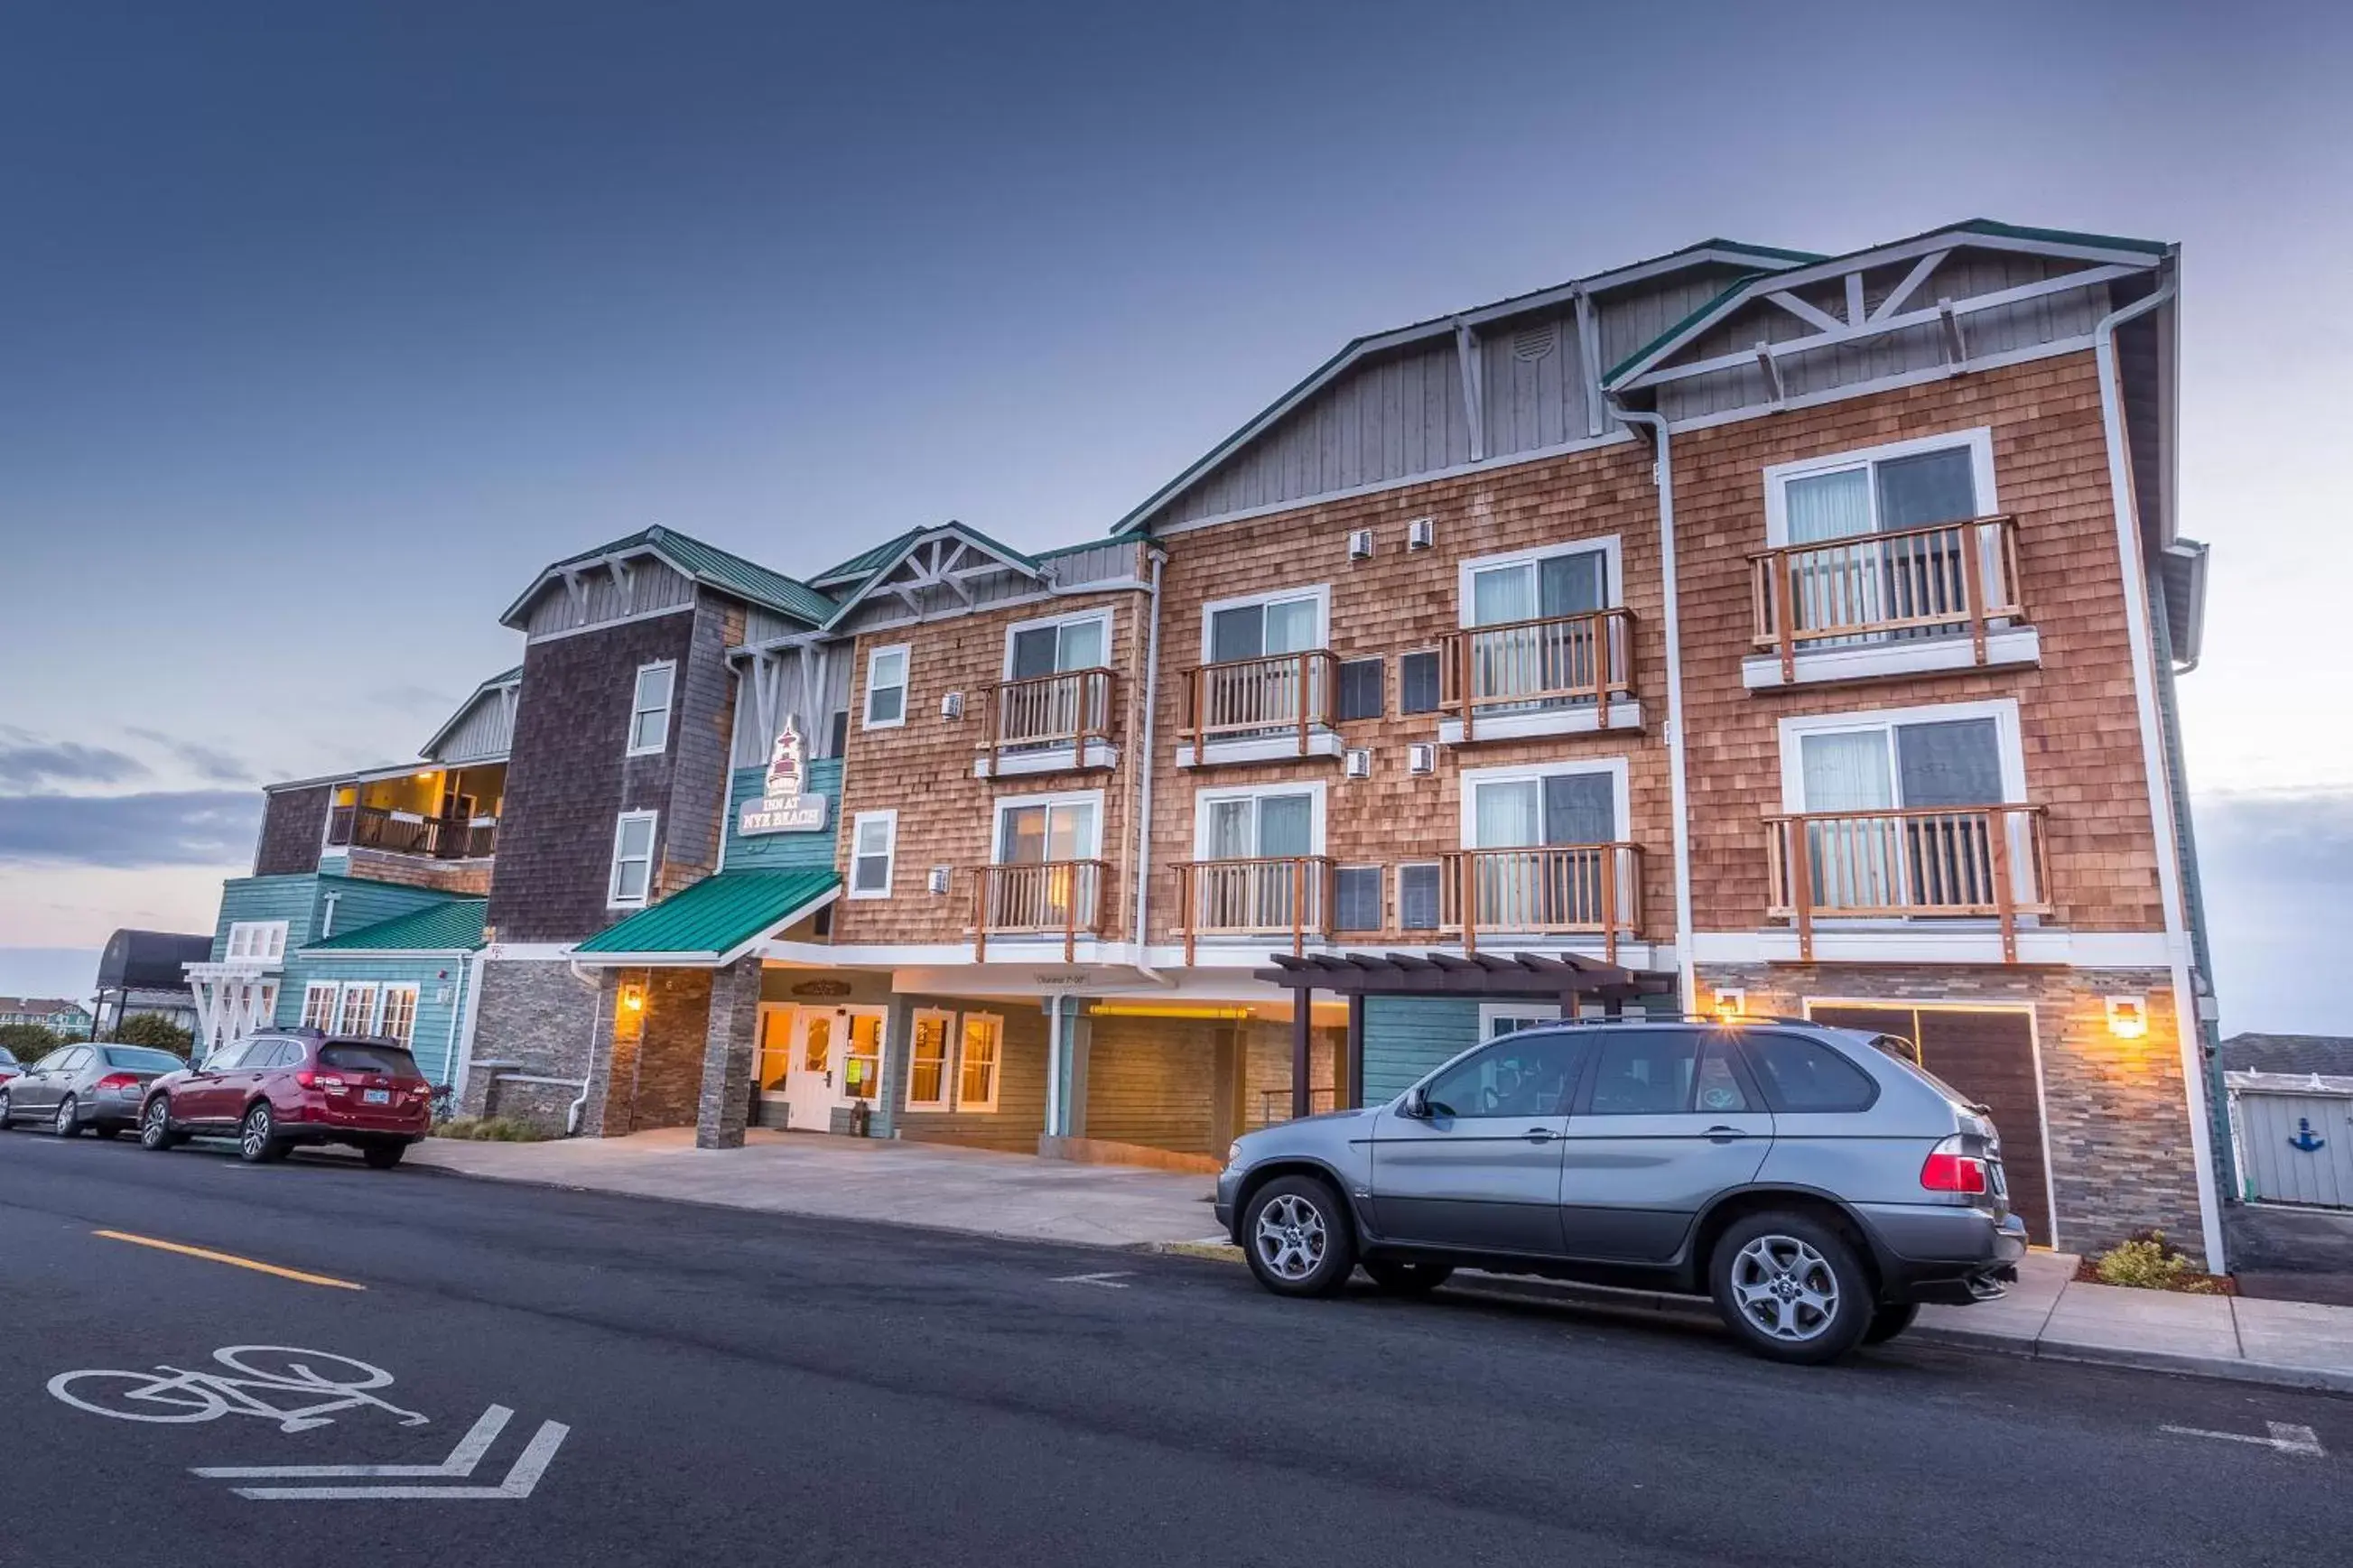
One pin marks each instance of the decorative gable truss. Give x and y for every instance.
(941, 571)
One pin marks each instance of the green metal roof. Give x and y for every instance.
(706, 563)
(715, 919)
(455, 927)
(866, 562)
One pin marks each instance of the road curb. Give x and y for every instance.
(1700, 1309)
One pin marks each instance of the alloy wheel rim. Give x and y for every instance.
(158, 1122)
(256, 1131)
(1291, 1237)
(1786, 1289)
(65, 1116)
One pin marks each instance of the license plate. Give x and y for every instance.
(375, 1097)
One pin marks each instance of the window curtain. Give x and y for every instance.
(1082, 646)
(1850, 860)
(1285, 825)
(1829, 505)
(1506, 815)
(1290, 626)
(1839, 586)
(1230, 830)
(1503, 594)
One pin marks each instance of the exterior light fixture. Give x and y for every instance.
(2128, 1017)
(630, 1010)
(1730, 1005)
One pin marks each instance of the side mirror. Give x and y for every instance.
(1416, 1107)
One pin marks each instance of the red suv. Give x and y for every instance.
(295, 1086)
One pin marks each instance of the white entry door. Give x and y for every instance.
(836, 1059)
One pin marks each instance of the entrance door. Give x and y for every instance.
(771, 1099)
(835, 1060)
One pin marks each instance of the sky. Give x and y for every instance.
(323, 327)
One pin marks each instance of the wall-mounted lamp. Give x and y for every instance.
(2128, 1017)
(1730, 1005)
(630, 1010)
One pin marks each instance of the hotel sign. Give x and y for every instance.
(782, 807)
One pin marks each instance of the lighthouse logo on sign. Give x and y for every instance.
(782, 807)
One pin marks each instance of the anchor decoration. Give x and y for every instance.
(2304, 1142)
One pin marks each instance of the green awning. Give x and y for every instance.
(714, 922)
(455, 927)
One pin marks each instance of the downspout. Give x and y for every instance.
(469, 1005)
(1144, 794)
(1664, 473)
(2133, 567)
(573, 1111)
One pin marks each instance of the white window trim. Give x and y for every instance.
(1613, 574)
(890, 853)
(1103, 614)
(334, 993)
(1397, 882)
(1978, 439)
(669, 704)
(949, 1049)
(1380, 900)
(1470, 779)
(1006, 803)
(386, 991)
(1204, 798)
(375, 1010)
(1320, 592)
(996, 1070)
(1490, 1013)
(265, 942)
(906, 685)
(613, 899)
(2002, 711)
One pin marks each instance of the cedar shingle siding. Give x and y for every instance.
(293, 827)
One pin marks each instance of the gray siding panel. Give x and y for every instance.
(486, 730)
(649, 585)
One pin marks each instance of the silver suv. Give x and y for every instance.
(1814, 1183)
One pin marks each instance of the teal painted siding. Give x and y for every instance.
(440, 996)
(300, 901)
(362, 903)
(294, 899)
(1405, 1037)
(783, 851)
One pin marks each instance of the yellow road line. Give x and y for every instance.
(232, 1260)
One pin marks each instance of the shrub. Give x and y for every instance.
(2144, 1261)
(30, 1042)
(154, 1029)
(489, 1129)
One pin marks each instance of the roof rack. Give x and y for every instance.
(1698, 1018)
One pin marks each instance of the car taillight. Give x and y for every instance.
(324, 1081)
(1947, 1170)
(119, 1080)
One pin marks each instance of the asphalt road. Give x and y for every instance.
(751, 1387)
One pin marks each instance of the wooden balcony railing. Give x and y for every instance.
(1288, 896)
(405, 833)
(1069, 708)
(1955, 861)
(1294, 691)
(1553, 661)
(1556, 889)
(1054, 897)
(1946, 578)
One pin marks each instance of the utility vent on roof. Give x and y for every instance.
(1532, 343)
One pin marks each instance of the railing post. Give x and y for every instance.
(1301, 702)
(1070, 918)
(1798, 855)
(980, 893)
(1785, 613)
(1973, 584)
(2004, 901)
(1464, 663)
(1188, 886)
(1609, 905)
(1470, 881)
(1603, 628)
(1298, 907)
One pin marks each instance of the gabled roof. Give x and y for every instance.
(705, 563)
(503, 679)
(865, 563)
(887, 559)
(713, 922)
(455, 927)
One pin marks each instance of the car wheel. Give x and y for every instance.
(5, 1111)
(155, 1125)
(1297, 1237)
(1889, 1321)
(1408, 1278)
(66, 1123)
(1791, 1288)
(257, 1136)
(383, 1156)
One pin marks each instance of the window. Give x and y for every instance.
(983, 1044)
(1566, 580)
(1500, 1018)
(886, 687)
(1249, 825)
(1545, 832)
(1364, 693)
(369, 1059)
(399, 1014)
(1908, 484)
(927, 1062)
(837, 732)
(356, 1016)
(319, 1005)
(1647, 1072)
(1288, 622)
(54, 1060)
(1555, 805)
(861, 1059)
(1527, 1075)
(141, 1060)
(633, 861)
(1418, 902)
(1417, 683)
(649, 709)
(1037, 831)
(1081, 643)
(260, 941)
(874, 841)
(1881, 767)
(1357, 898)
(1800, 1074)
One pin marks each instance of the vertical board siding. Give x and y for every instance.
(1405, 1037)
(486, 730)
(650, 586)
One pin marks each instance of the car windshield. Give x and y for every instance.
(8, 1057)
(390, 1060)
(139, 1059)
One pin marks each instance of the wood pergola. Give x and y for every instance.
(1567, 979)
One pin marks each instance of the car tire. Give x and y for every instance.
(1396, 1277)
(155, 1126)
(1297, 1237)
(1889, 1321)
(67, 1123)
(1791, 1288)
(257, 1142)
(383, 1156)
(7, 1111)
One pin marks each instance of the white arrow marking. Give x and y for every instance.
(1108, 1281)
(2283, 1438)
(528, 1468)
(457, 1466)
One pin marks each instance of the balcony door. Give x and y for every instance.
(1044, 837)
(1055, 650)
(1869, 580)
(1534, 660)
(1864, 861)
(1262, 880)
(1553, 829)
(1055, 711)
(1263, 629)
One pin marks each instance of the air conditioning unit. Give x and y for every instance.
(1421, 534)
(939, 879)
(1421, 757)
(1357, 763)
(952, 705)
(1360, 544)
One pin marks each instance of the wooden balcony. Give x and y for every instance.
(1961, 862)
(1262, 708)
(405, 833)
(1555, 889)
(1908, 586)
(1288, 897)
(1050, 723)
(1554, 675)
(1061, 899)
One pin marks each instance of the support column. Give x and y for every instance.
(729, 1042)
(1078, 1035)
(1303, 1056)
(1348, 1081)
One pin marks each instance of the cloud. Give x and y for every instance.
(172, 827)
(209, 764)
(2277, 866)
(25, 760)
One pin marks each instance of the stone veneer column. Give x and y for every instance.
(728, 1046)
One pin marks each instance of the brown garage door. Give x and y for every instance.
(1990, 1057)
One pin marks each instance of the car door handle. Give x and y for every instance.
(1726, 1134)
(1539, 1135)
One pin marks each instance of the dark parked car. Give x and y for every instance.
(9, 1066)
(291, 1087)
(1819, 1187)
(98, 1086)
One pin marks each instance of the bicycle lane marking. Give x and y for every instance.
(231, 1258)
